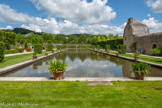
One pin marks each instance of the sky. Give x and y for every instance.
(79, 16)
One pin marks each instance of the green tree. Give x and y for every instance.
(72, 39)
(9, 39)
(82, 39)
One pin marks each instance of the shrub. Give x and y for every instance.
(122, 49)
(28, 49)
(156, 52)
(38, 48)
(83, 46)
(57, 66)
(2, 47)
(20, 50)
(34, 54)
(137, 54)
(50, 47)
(49, 41)
(26, 45)
(98, 47)
(107, 48)
(140, 68)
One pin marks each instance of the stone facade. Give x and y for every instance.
(136, 32)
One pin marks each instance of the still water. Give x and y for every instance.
(83, 63)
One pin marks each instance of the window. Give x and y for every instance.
(154, 46)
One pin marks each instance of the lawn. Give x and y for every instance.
(144, 58)
(11, 60)
(63, 94)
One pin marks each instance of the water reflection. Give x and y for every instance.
(83, 63)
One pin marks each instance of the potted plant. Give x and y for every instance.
(136, 55)
(34, 56)
(140, 69)
(46, 53)
(117, 54)
(57, 68)
(53, 51)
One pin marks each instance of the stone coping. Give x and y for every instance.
(130, 59)
(23, 64)
(78, 79)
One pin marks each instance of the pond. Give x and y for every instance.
(83, 63)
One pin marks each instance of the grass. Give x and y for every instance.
(11, 60)
(62, 94)
(144, 58)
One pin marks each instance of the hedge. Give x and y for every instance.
(50, 47)
(19, 50)
(2, 47)
(107, 47)
(38, 48)
(98, 47)
(122, 49)
(84, 46)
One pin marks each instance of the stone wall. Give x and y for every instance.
(147, 42)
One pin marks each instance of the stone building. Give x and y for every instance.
(138, 33)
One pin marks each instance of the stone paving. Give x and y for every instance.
(96, 79)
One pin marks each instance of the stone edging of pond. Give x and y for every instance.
(103, 79)
(130, 59)
(23, 64)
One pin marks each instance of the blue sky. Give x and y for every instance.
(79, 16)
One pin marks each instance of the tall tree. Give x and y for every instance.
(82, 39)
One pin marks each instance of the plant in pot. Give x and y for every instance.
(140, 69)
(34, 56)
(117, 53)
(46, 53)
(136, 55)
(53, 51)
(57, 68)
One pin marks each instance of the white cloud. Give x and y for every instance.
(156, 5)
(78, 11)
(149, 15)
(7, 27)
(50, 25)
(153, 24)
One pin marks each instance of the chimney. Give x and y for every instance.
(130, 20)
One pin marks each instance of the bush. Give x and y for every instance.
(156, 52)
(20, 50)
(122, 49)
(140, 68)
(2, 47)
(136, 54)
(50, 47)
(98, 47)
(84, 46)
(49, 41)
(38, 48)
(26, 45)
(28, 49)
(107, 48)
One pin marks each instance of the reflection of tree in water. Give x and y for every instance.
(40, 63)
(35, 65)
(61, 56)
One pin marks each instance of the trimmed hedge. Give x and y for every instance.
(107, 47)
(122, 49)
(38, 48)
(2, 47)
(19, 50)
(50, 47)
(156, 52)
(28, 49)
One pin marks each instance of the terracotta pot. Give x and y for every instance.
(117, 54)
(34, 57)
(58, 76)
(46, 54)
(139, 76)
(136, 58)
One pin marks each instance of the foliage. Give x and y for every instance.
(98, 47)
(26, 45)
(71, 46)
(2, 33)
(140, 68)
(20, 50)
(72, 39)
(49, 41)
(107, 47)
(60, 38)
(137, 54)
(133, 46)
(156, 52)
(57, 66)
(84, 46)
(38, 48)
(28, 49)
(2, 47)
(50, 47)
(122, 49)
(34, 54)
(82, 39)
(9, 39)
(37, 40)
